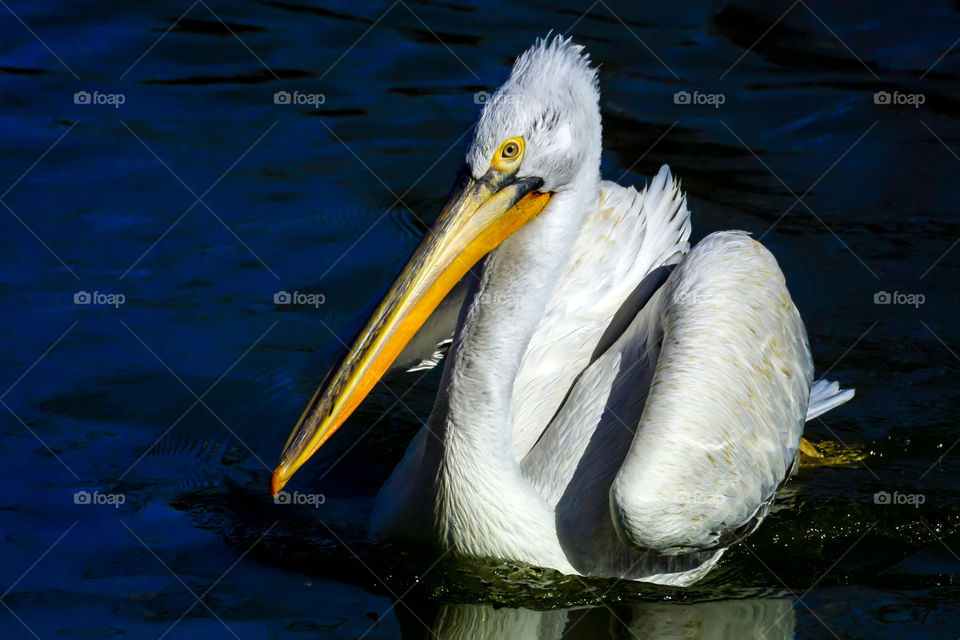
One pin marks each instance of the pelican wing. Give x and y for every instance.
(677, 438)
(722, 422)
(612, 267)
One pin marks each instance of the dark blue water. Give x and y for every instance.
(198, 198)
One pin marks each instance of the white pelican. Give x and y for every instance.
(613, 403)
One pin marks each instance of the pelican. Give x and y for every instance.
(613, 402)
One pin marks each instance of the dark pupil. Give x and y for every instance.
(510, 150)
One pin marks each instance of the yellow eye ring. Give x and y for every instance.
(509, 153)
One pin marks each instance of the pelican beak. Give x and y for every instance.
(479, 215)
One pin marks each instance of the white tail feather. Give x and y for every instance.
(826, 395)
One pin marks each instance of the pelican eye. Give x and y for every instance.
(509, 153)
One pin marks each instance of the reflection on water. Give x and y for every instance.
(769, 619)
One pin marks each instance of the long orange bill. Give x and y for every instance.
(479, 215)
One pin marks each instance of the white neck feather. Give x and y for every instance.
(485, 507)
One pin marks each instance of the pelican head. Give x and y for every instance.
(551, 102)
(537, 138)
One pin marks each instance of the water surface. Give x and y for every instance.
(199, 198)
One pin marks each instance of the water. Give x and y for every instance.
(198, 198)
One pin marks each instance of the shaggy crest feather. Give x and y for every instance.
(551, 99)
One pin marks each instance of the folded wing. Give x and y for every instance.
(726, 405)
